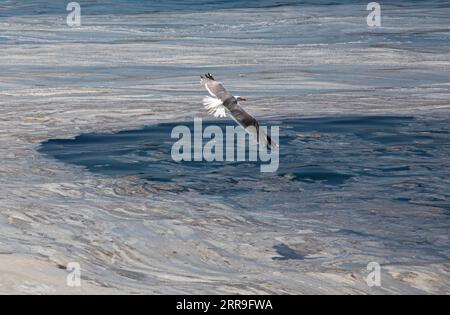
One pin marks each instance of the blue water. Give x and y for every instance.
(97, 7)
(399, 159)
(94, 7)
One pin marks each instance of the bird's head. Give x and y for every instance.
(241, 99)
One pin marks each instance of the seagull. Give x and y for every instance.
(221, 101)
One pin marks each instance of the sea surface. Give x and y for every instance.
(342, 167)
(86, 115)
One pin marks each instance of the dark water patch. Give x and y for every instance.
(396, 169)
(311, 174)
(96, 7)
(316, 154)
(38, 7)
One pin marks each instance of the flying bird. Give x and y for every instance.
(222, 102)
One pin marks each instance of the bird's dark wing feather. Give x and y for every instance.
(215, 88)
(247, 121)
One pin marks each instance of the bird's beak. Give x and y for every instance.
(243, 99)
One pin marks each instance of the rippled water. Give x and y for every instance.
(360, 170)
(350, 189)
(403, 158)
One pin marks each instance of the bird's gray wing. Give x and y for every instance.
(248, 122)
(215, 88)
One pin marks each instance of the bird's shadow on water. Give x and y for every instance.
(326, 150)
(286, 253)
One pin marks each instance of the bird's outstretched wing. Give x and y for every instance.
(214, 104)
(215, 88)
(249, 123)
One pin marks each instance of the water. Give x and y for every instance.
(345, 166)
(378, 150)
(365, 180)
